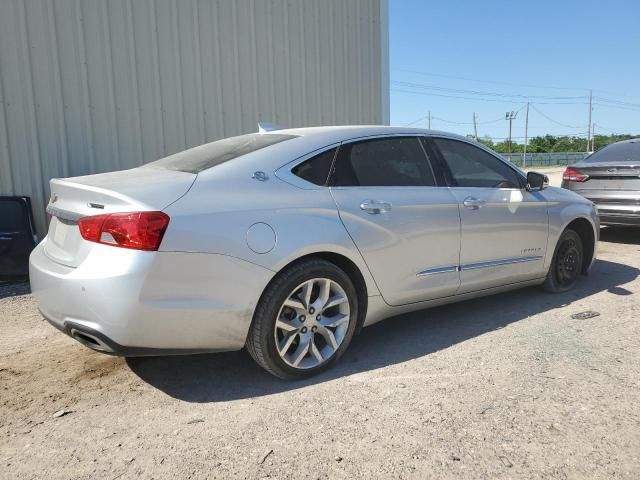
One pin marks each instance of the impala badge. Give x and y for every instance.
(53, 198)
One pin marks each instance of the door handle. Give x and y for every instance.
(375, 207)
(473, 202)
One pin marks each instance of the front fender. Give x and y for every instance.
(561, 214)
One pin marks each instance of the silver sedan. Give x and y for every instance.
(289, 242)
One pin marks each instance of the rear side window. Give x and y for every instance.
(388, 162)
(617, 152)
(197, 159)
(471, 166)
(316, 169)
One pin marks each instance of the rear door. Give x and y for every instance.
(406, 226)
(17, 237)
(504, 227)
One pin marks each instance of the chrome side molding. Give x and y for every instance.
(474, 266)
(435, 271)
(497, 263)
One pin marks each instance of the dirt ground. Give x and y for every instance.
(508, 386)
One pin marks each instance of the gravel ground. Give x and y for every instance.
(508, 386)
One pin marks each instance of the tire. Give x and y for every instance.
(278, 348)
(566, 265)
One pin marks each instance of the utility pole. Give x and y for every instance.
(475, 127)
(510, 116)
(526, 137)
(589, 125)
(429, 119)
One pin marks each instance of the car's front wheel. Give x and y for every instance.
(304, 320)
(566, 265)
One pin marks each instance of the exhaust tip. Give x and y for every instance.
(90, 341)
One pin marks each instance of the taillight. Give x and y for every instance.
(137, 230)
(573, 175)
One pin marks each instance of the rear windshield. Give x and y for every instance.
(197, 159)
(617, 152)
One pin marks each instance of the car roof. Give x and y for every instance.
(308, 140)
(333, 134)
(629, 140)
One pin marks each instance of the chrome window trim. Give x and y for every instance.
(286, 174)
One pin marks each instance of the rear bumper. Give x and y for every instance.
(615, 207)
(618, 214)
(611, 218)
(132, 303)
(96, 340)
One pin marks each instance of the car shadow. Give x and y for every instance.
(626, 235)
(231, 376)
(14, 289)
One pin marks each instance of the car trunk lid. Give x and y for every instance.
(138, 189)
(609, 176)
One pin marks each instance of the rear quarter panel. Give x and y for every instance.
(218, 211)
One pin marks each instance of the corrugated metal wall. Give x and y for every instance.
(89, 86)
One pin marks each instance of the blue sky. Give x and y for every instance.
(512, 51)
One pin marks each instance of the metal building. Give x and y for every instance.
(88, 86)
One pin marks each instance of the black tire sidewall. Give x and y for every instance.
(552, 283)
(277, 293)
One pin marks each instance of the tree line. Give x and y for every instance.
(552, 143)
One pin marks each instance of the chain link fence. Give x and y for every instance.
(546, 159)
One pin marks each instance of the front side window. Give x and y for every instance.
(316, 169)
(197, 159)
(471, 166)
(388, 162)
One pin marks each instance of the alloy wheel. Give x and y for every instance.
(312, 323)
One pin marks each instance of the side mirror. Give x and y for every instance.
(536, 181)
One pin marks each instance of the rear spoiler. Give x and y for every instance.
(264, 127)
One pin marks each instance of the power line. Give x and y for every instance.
(618, 107)
(554, 121)
(617, 102)
(424, 117)
(512, 102)
(512, 84)
(452, 122)
(482, 92)
(624, 95)
(604, 128)
(488, 81)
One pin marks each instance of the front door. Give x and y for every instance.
(504, 227)
(406, 227)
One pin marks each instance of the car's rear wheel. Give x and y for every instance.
(304, 320)
(566, 265)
